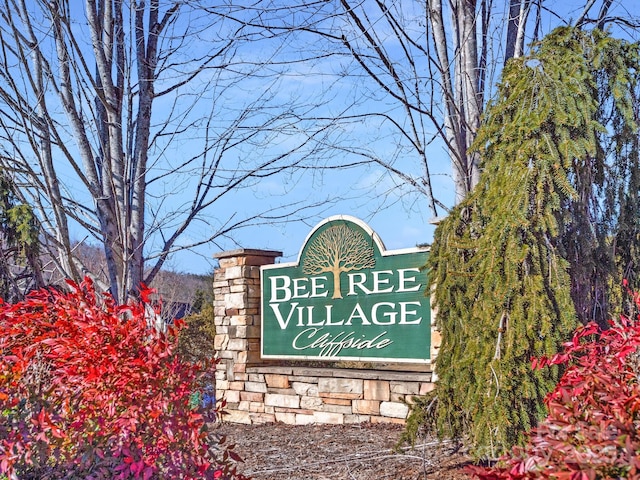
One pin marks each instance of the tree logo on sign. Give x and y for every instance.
(338, 249)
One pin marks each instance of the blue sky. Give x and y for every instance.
(391, 208)
(399, 215)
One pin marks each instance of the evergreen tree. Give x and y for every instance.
(544, 239)
(19, 245)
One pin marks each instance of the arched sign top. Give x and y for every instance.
(347, 297)
(345, 220)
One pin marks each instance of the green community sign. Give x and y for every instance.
(347, 298)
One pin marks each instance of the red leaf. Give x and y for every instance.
(147, 474)
(112, 382)
(591, 428)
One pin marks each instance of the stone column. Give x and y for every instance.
(236, 291)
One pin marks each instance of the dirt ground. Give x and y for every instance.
(335, 452)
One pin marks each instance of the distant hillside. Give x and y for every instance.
(179, 292)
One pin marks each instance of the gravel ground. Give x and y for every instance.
(353, 452)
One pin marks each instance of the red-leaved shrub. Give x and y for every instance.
(592, 430)
(87, 390)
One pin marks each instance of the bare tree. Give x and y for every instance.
(131, 120)
(420, 73)
(338, 249)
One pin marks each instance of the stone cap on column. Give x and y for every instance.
(247, 256)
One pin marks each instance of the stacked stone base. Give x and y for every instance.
(299, 396)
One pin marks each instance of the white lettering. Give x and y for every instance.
(403, 279)
(382, 313)
(391, 316)
(281, 321)
(357, 280)
(331, 346)
(300, 288)
(283, 291)
(310, 321)
(382, 281)
(275, 288)
(404, 312)
(317, 286)
(377, 281)
(329, 322)
(358, 313)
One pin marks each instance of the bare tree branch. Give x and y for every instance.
(133, 121)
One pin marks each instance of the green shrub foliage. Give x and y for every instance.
(19, 245)
(591, 431)
(88, 390)
(195, 341)
(553, 224)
